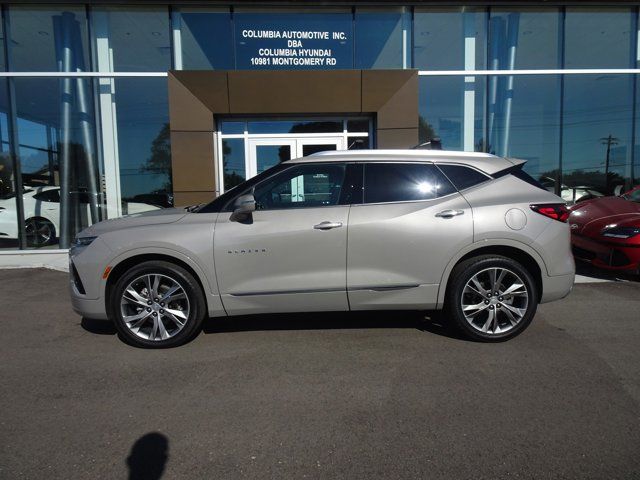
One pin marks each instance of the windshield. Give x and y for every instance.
(633, 195)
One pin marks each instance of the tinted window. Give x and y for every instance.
(463, 177)
(48, 196)
(206, 39)
(401, 182)
(378, 38)
(303, 186)
(633, 195)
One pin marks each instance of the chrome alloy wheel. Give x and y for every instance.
(494, 300)
(39, 232)
(154, 307)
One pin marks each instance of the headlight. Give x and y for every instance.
(621, 232)
(83, 241)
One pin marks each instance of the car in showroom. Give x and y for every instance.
(606, 231)
(42, 214)
(569, 194)
(469, 233)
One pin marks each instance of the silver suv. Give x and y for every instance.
(469, 233)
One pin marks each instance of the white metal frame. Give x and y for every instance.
(422, 73)
(251, 155)
(108, 115)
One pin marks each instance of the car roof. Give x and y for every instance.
(483, 161)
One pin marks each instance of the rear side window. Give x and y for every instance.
(463, 177)
(403, 182)
(517, 172)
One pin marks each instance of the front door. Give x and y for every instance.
(291, 254)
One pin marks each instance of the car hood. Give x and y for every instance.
(591, 217)
(152, 217)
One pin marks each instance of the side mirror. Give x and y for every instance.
(245, 204)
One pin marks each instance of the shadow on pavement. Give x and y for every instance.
(99, 327)
(431, 322)
(588, 270)
(148, 457)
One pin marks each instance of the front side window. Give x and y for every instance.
(303, 186)
(404, 182)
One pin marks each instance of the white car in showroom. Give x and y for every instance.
(42, 214)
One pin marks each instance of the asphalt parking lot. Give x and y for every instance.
(320, 396)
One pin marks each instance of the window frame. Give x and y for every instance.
(408, 162)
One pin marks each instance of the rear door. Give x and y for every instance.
(411, 223)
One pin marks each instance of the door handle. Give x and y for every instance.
(449, 213)
(327, 225)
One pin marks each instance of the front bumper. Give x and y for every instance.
(605, 255)
(88, 308)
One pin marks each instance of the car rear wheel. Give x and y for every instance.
(157, 304)
(491, 298)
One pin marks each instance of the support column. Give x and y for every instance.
(108, 117)
(469, 101)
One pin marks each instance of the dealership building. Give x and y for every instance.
(110, 108)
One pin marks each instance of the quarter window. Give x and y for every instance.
(402, 182)
(463, 177)
(303, 186)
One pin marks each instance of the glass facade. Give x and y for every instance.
(78, 149)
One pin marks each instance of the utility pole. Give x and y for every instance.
(608, 141)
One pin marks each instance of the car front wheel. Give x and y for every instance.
(157, 304)
(491, 298)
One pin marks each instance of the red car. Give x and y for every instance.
(606, 231)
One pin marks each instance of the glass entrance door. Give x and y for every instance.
(247, 147)
(264, 153)
(309, 146)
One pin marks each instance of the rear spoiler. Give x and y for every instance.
(516, 161)
(516, 170)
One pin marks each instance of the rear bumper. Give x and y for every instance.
(610, 257)
(556, 287)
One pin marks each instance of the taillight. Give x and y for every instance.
(557, 211)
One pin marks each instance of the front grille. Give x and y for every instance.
(614, 258)
(582, 253)
(619, 259)
(76, 279)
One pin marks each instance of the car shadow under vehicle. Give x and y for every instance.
(587, 270)
(430, 322)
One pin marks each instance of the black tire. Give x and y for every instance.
(193, 292)
(40, 232)
(463, 273)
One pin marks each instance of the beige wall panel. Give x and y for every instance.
(279, 91)
(192, 161)
(398, 138)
